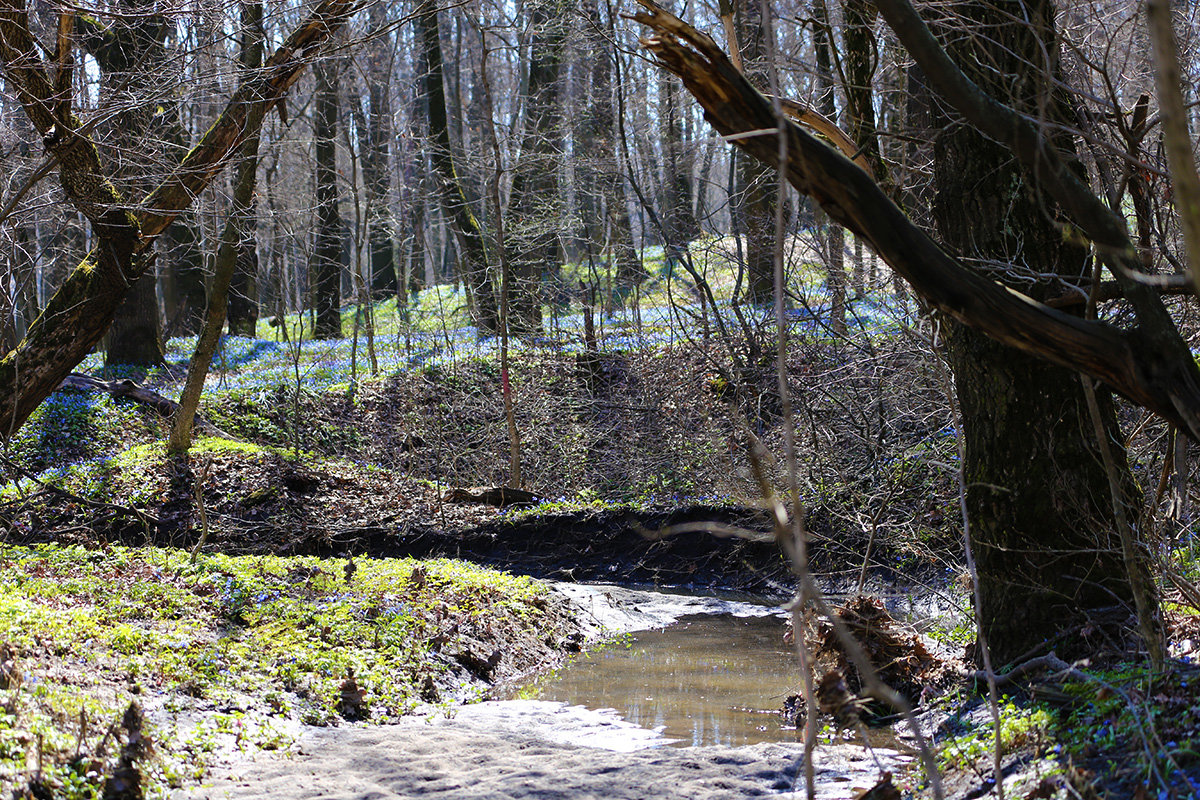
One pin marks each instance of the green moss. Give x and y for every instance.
(156, 452)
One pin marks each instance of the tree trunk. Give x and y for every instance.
(238, 231)
(374, 137)
(678, 217)
(601, 183)
(181, 256)
(135, 336)
(326, 267)
(536, 212)
(860, 63)
(242, 306)
(453, 200)
(183, 278)
(242, 301)
(131, 53)
(861, 53)
(754, 201)
(17, 272)
(1042, 525)
(830, 234)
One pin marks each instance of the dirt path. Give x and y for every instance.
(523, 750)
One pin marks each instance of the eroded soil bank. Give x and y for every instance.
(256, 501)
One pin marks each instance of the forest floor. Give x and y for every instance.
(327, 567)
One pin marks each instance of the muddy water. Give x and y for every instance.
(713, 679)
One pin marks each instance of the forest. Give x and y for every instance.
(579, 399)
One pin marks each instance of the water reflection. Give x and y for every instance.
(706, 680)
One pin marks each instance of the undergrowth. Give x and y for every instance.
(252, 645)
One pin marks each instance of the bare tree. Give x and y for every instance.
(534, 236)
(1149, 364)
(454, 203)
(79, 313)
(328, 260)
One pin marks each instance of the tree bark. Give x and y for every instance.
(861, 50)
(1042, 526)
(830, 235)
(131, 53)
(678, 216)
(476, 265)
(536, 212)
(374, 137)
(183, 278)
(241, 307)
(77, 315)
(327, 264)
(754, 198)
(601, 183)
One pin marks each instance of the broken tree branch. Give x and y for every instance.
(1149, 364)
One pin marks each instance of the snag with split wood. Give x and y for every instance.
(1150, 363)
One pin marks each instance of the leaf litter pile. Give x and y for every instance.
(900, 659)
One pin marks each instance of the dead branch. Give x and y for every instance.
(163, 406)
(1148, 364)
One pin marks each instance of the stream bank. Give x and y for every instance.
(521, 749)
(530, 749)
(315, 553)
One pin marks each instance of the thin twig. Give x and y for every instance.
(199, 493)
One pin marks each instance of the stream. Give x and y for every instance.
(682, 704)
(712, 679)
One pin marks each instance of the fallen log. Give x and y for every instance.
(165, 407)
(499, 496)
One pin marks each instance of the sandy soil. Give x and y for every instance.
(524, 749)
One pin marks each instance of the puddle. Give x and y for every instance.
(713, 679)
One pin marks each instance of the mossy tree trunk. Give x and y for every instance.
(1042, 525)
(131, 53)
